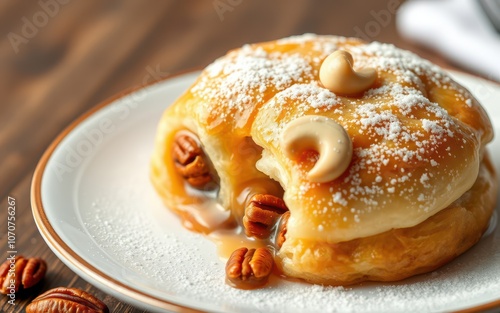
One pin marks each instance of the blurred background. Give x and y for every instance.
(59, 58)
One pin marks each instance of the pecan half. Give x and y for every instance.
(282, 229)
(68, 300)
(190, 160)
(261, 215)
(21, 272)
(249, 268)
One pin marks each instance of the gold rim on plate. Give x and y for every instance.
(53, 239)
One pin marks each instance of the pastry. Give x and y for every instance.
(350, 161)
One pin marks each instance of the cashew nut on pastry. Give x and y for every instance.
(337, 74)
(323, 135)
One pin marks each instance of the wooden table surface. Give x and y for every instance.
(60, 58)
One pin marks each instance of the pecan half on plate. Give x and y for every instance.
(249, 268)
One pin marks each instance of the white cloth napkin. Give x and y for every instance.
(458, 29)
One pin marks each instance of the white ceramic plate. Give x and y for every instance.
(96, 209)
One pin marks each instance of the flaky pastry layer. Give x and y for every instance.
(398, 253)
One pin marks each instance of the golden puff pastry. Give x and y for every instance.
(378, 155)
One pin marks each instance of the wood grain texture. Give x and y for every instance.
(89, 50)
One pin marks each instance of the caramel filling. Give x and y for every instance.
(225, 227)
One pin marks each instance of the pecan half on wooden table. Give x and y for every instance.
(24, 272)
(67, 300)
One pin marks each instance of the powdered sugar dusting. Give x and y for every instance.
(394, 125)
(325, 44)
(307, 96)
(407, 66)
(182, 267)
(382, 116)
(240, 79)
